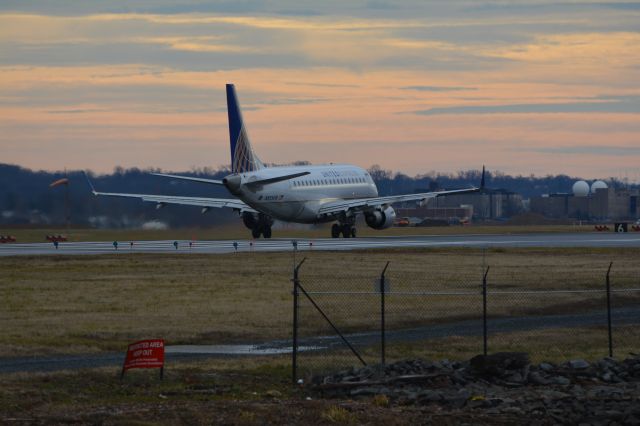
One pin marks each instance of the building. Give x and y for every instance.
(488, 204)
(600, 203)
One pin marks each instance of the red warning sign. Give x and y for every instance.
(145, 354)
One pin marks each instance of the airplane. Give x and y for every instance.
(301, 194)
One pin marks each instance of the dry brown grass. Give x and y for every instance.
(95, 303)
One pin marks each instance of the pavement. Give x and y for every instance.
(276, 244)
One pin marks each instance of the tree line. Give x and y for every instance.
(26, 198)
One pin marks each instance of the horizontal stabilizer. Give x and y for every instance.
(276, 179)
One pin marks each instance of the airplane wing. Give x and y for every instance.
(162, 200)
(363, 204)
(189, 178)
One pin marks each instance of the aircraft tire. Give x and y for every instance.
(346, 231)
(353, 232)
(335, 230)
(255, 232)
(266, 232)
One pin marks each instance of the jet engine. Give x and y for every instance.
(380, 219)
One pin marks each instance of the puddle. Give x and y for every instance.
(235, 349)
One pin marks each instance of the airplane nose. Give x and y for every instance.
(232, 182)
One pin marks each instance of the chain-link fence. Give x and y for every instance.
(561, 307)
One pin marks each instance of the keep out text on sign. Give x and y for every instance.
(145, 354)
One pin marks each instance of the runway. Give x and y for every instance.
(229, 246)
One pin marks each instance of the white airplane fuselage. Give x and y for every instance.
(299, 199)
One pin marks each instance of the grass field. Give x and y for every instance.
(237, 231)
(66, 304)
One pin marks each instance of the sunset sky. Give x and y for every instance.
(525, 87)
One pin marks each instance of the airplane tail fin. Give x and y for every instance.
(243, 159)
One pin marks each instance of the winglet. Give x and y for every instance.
(93, 190)
(482, 179)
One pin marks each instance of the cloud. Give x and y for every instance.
(439, 88)
(76, 111)
(621, 104)
(295, 83)
(94, 73)
(615, 151)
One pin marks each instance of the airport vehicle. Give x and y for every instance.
(302, 194)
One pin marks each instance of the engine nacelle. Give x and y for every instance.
(380, 219)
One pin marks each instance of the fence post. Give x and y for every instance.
(484, 311)
(609, 311)
(294, 347)
(382, 317)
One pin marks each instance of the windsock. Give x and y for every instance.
(63, 181)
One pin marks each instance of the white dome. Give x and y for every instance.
(580, 189)
(598, 185)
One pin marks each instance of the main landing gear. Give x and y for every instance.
(348, 230)
(265, 230)
(260, 224)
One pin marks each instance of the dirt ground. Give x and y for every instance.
(199, 395)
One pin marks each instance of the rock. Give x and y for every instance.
(410, 395)
(458, 378)
(464, 393)
(430, 396)
(605, 392)
(545, 366)
(513, 410)
(478, 403)
(273, 393)
(577, 391)
(365, 391)
(515, 378)
(537, 379)
(563, 394)
(560, 380)
(578, 364)
(552, 394)
(494, 364)
(632, 420)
